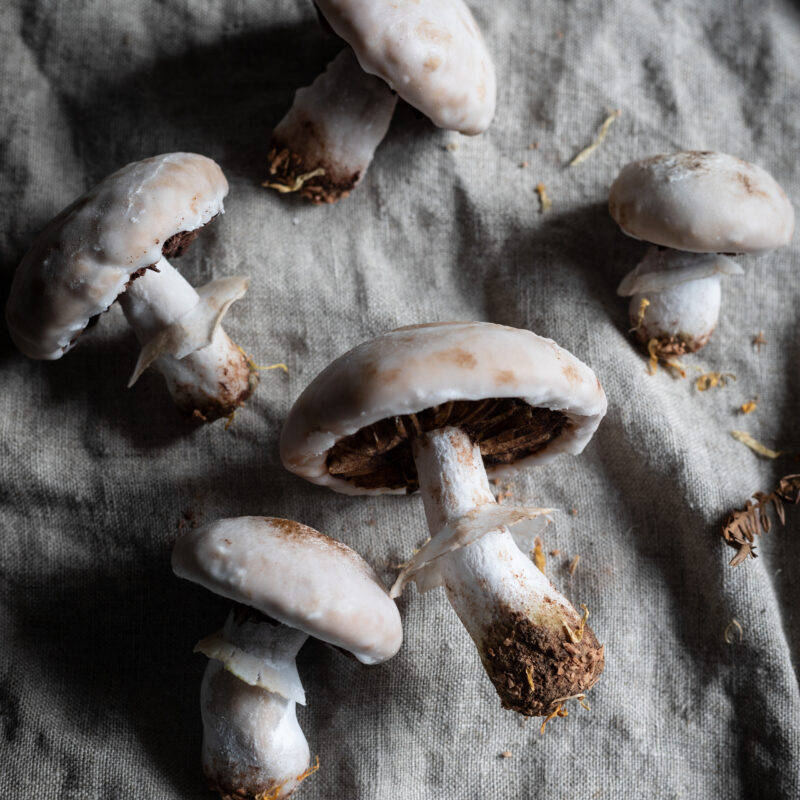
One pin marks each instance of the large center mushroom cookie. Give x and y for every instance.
(436, 407)
(113, 243)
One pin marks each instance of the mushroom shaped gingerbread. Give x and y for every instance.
(430, 53)
(696, 206)
(114, 242)
(292, 582)
(437, 407)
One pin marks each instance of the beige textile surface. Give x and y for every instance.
(98, 683)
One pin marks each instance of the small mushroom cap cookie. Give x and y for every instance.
(523, 398)
(297, 576)
(431, 53)
(702, 202)
(85, 257)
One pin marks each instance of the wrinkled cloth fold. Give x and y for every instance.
(99, 688)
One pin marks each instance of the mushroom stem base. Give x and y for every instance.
(209, 382)
(252, 743)
(324, 144)
(533, 643)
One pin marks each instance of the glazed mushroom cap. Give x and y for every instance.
(297, 576)
(432, 54)
(683, 295)
(522, 397)
(85, 257)
(702, 202)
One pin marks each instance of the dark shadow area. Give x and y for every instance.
(586, 251)
(221, 100)
(94, 377)
(117, 650)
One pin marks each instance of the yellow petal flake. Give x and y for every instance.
(643, 304)
(710, 380)
(544, 200)
(538, 555)
(749, 407)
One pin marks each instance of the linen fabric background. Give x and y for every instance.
(98, 683)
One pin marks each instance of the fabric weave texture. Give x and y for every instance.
(98, 683)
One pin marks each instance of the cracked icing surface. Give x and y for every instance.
(296, 575)
(84, 258)
(702, 202)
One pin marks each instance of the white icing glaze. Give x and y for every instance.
(411, 369)
(81, 262)
(702, 202)
(297, 576)
(259, 653)
(689, 309)
(252, 741)
(338, 121)
(430, 52)
(662, 269)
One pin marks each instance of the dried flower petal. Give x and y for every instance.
(538, 555)
(709, 380)
(643, 304)
(746, 439)
(750, 406)
(742, 526)
(601, 134)
(544, 201)
(577, 635)
(654, 349)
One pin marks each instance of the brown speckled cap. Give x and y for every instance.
(702, 202)
(522, 396)
(297, 576)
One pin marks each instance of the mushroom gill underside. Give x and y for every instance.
(506, 430)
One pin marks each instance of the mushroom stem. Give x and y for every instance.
(324, 144)
(533, 644)
(681, 318)
(253, 746)
(675, 298)
(178, 327)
